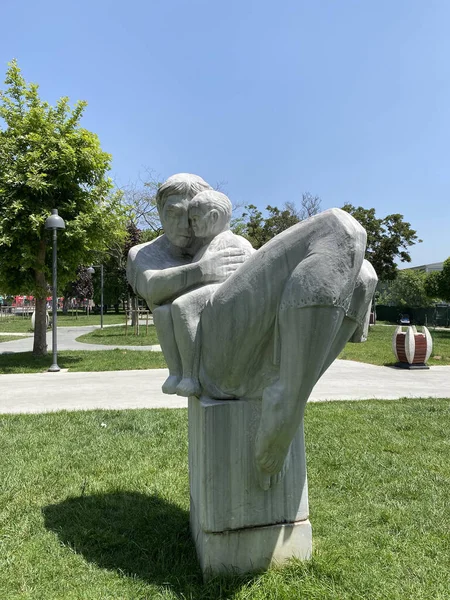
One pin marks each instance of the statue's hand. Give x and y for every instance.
(219, 266)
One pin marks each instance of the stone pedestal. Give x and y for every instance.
(235, 524)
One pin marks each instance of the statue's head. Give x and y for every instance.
(172, 200)
(209, 213)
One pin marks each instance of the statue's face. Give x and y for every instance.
(202, 222)
(174, 219)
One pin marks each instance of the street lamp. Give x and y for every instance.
(54, 222)
(91, 271)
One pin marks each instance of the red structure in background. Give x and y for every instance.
(411, 348)
(28, 301)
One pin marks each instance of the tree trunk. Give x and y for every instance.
(40, 325)
(65, 305)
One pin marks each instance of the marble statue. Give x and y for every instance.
(246, 335)
(271, 322)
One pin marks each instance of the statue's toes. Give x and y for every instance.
(268, 463)
(267, 481)
(263, 480)
(170, 384)
(188, 387)
(277, 478)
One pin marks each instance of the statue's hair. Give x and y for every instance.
(185, 184)
(214, 200)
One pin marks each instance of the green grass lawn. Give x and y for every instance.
(83, 360)
(94, 506)
(117, 336)
(20, 324)
(10, 338)
(378, 348)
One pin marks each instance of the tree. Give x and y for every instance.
(309, 206)
(388, 239)
(432, 284)
(259, 229)
(47, 160)
(79, 289)
(408, 290)
(114, 260)
(438, 282)
(139, 201)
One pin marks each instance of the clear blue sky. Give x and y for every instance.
(347, 99)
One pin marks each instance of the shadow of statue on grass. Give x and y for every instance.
(135, 534)
(138, 536)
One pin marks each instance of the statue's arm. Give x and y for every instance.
(167, 284)
(156, 278)
(160, 287)
(156, 274)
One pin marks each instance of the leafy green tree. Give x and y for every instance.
(278, 221)
(259, 229)
(114, 261)
(444, 281)
(408, 289)
(250, 225)
(47, 160)
(432, 284)
(438, 282)
(388, 239)
(79, 289)
(139, 205)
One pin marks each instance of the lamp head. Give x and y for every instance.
(54, 221)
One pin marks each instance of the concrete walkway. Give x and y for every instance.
(43, 392)
(344, 380)
(66, 341)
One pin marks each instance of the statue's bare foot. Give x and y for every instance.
(170, 384)
(274, 435)
(188, 387)
(267, 481)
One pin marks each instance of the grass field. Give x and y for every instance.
(83, 360)
(94, 506)
(120, 336)
(378, 348)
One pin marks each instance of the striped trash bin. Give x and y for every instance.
(411, 348)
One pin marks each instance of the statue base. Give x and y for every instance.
(411, 366)
(250, 549)
(236, 525)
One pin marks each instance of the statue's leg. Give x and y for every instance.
(306, 337)
(239, 324)
(162, 318)
(186, 311)
(356, 319)
(311, 338)
(313, 305)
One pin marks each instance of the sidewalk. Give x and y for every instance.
(344, 380)
(66, 341)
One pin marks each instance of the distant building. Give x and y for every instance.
(426, 268)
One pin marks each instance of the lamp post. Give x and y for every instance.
(91, 271)
(54, 222)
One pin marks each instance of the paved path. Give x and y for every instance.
(42, 392)
(66, 341)
(344, 380)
